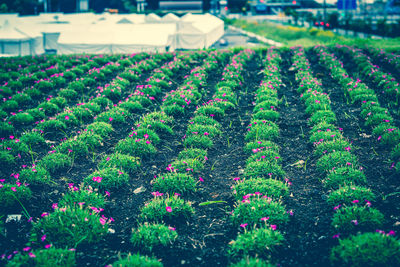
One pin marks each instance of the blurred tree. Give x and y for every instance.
(23, 7)
(3, 8)
(333, 19)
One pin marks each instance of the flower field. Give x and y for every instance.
(254, 157)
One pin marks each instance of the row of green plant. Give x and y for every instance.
(112, 174)
(26, 96)
(385, 85)
(78, 146)
(18, 76)
(167, 207)
(83, 87)
(354, 221)
(259, 210)
(382, 55)
(376, 117)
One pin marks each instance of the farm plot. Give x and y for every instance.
(223, 158)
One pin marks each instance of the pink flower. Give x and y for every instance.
(26, 249)
(32, 255)
(43, 238)
(273, 227)
(107, 193)
(201, 179)
(14, 189)
(48, 246)
(97, 179)
(54, 206)
(338, 206)
(355, 201)
(392, 233)
(355, 222)
(236, 179)
(66, 117)
(336, 236)
(171, 228)
(264, 219)
(243, 225)
(110, 119)
(108, 158)
(168, 209)
(44, 214)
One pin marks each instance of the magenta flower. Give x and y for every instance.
(355, 222)
(107, 193)
(336, 236)
(201, 179)
(43, 238)
(168, 209)
(338, 206)
(66, 117)
(392, 233)
(48, 246)
(110, 119)
(26, 249)
(243, 225)
(264, 219)
(355, 201)
(171, 228)
(273, 227)
(97, 179)
(32, 255)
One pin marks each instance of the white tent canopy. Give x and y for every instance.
(106, 33)
(198, 31)
(129, 38)
(14, 41)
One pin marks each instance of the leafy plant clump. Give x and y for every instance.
(272, 188)
(350, 194)
(120, 161)
(336, 160)
(344, 176)
(137, 260)
(355, 218)
(11, 194)
(368, 249)
(153, 236)
(83, 197)
(55, 162)
(171, 183)
(166, 209)
(262, 242)
(51, 257)
(69, 227)
(107, 179)
(256, 210)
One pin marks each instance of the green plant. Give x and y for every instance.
(84, 196)
(263, 169)
(166, 209)
(351, 219)
(11, 194)
(137, 260)
(35, 176)
(68, 94)
(345, 195)
(211, 111)
(55, 162)
(262, 243)
(49, 108)
(5, 128)
(51, 257)
(6, 159)
(153, 236)
(205, 120)
(107, 179)
(270, 115)
(268, 155)
(69, 227)
(252, 262)
(198, 141)
(32, 139)
(368, 249)
(101, 128)
(256, 146)
(22, 118)
(319, 137)
(262, 130)
(160, 127)
(120, 161)
(253, 209)
(132, 106)
(198, 129)
(332, 146)
(68, 118)
(92, 140)
(113, 116)
(322, 116)
(186, 165)
(171, 183)
(52, 126)
(344, 176)
(74, 148)
(146, 133)
(272, 188)
(336, 160)
(135, 147)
